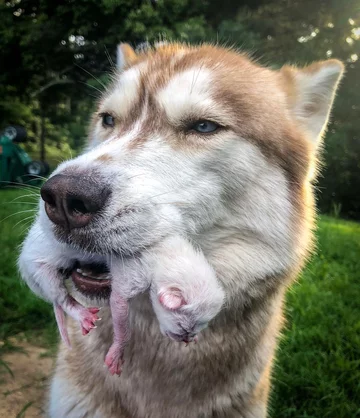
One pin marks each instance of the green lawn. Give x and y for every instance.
(317, 374)
(318, 363)
(21, 311)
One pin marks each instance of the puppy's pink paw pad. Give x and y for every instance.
(84, 331)
(93, 310)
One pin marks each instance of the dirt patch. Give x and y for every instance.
(23, 388)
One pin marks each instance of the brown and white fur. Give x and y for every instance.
(242, 194)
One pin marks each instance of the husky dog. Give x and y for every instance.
(203, 143)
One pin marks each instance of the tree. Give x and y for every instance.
(52, 50)
(56, 56)
(283, 31)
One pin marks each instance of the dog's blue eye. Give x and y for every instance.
(205, 126)
(107, 120)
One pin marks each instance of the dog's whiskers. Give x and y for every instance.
(23, 220)
(18, 213)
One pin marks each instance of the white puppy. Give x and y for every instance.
(184, 290)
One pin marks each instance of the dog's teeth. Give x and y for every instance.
(102, 277)
(91, 276)
(86, 273)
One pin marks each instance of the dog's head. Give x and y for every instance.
(186, 138)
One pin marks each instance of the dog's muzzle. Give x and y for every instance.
(73, 201)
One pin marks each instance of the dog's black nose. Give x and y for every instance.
(72, 201)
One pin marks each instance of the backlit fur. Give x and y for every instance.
(242, 195)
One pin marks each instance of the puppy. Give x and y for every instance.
(184, 291)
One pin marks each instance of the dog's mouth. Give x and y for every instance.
(92, 280)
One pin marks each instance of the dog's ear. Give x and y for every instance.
(311, 92)
(171, 298)
(125, 56)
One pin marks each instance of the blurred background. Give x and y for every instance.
(56, 56)
(55, 59)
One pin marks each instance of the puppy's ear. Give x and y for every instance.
(125, 56)
(311, 91)
(171, 298)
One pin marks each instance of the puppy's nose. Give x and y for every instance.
(72, 201)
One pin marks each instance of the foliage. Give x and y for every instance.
(56, 57)
(21, 310)
(289, 33)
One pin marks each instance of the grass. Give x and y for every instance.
(21, 311)
(317, 372)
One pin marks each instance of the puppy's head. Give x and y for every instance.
(182, 314)
(187, 138)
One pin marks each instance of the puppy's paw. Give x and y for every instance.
(87, 319)
(114, 359)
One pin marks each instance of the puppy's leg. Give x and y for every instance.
(61, 323)
(53, 289)
(40, 266)
(119, 311)
(129, 278)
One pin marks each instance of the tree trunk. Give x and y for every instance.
(42, 133)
